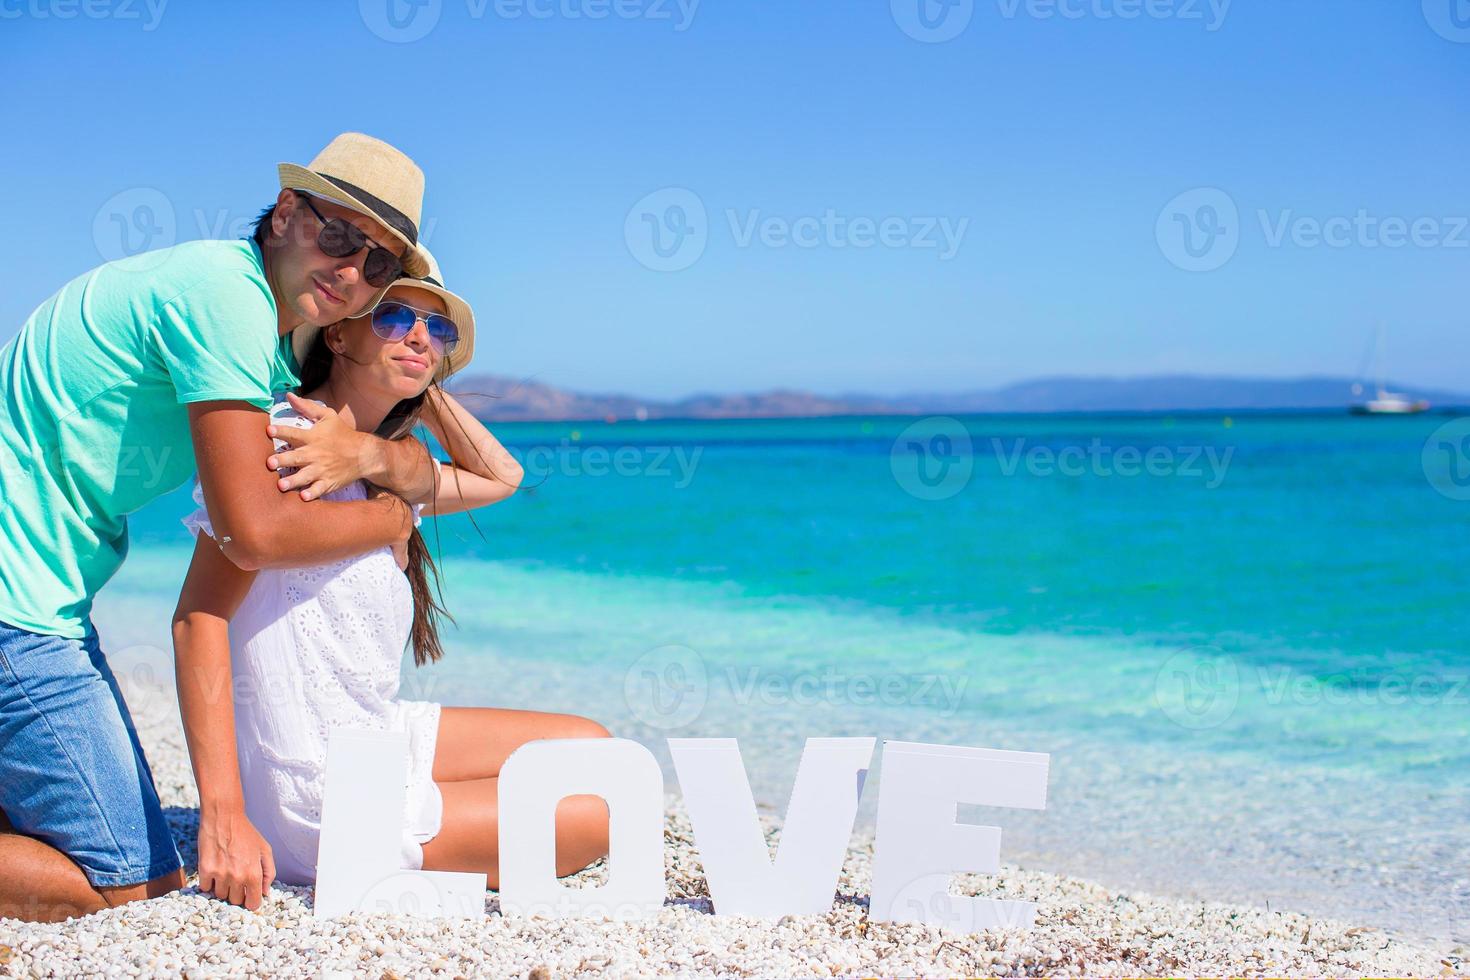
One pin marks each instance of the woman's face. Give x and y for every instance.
(399, 368)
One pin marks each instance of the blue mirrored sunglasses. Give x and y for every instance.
(393, 320)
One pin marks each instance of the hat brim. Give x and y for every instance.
(298, 178)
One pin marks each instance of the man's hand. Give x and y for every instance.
(328, 456)
(235, 862)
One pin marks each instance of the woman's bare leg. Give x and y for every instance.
(472, 747)
(475, 742)
(470, 838)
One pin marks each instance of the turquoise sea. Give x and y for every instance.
(1243, 641)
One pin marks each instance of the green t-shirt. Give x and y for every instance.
(93, 416)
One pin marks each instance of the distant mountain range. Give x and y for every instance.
(504, 398)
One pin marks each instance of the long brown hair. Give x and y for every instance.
(422, 572)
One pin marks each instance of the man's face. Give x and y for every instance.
(317, 288)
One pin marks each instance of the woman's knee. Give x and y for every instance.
(576, 726)
(582, 832)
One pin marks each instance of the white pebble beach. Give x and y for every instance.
(1081, 928)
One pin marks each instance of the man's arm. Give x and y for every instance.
(403, 466)
(332, 454)
(257, 525)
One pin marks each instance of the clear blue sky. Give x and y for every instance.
(1059, 140)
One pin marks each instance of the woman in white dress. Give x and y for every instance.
(269, 662)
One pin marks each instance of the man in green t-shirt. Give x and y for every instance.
(111, 395)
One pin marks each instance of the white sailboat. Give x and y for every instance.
(1386, 402)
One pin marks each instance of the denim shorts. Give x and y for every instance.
(72, 773)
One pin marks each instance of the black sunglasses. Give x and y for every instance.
(340, 238)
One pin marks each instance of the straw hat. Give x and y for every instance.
(370, 177)
(457, 309)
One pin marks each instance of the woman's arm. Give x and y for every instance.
(235, 862)
(460, 490)
(484, 471)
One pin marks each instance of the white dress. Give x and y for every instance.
(312, 650)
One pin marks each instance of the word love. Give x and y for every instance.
(918, 848)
